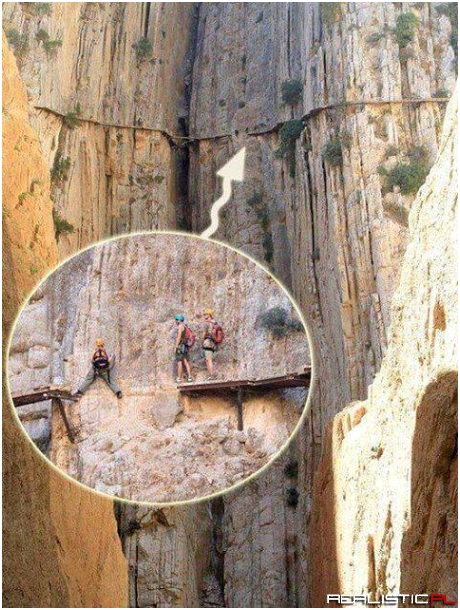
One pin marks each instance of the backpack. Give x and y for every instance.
(101, 361)
(217, 334)
(189, 337)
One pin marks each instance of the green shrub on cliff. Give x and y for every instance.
(42, 35)
(292, 497)
(61, 166)
(291, 91)
(404, 31)
(409, 175)
(289, 132)
(40, 8)
(71, 119)
(332, 152)
(61, 225)
(51, 46)
(18, 42)
(278, 322)
(143, 48)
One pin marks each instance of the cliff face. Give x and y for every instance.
(321, 216)
(110, 84)
(30, 246)
(168, 559)
(316, 206)
(401, 535)
(72, 562)
(128, 292)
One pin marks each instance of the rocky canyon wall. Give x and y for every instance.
(72, 555)
(155, 445)
(110, 84)
(401, 535)
(317, 206)
(326, 223)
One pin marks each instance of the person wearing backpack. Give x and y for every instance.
(184, 340)
(101, 364)
(213, 336)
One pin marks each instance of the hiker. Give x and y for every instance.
(100, 367)
(212, 337)
(184, 340)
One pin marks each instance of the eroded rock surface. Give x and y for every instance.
(60, 543)
(154, 445)
(399, 535)
(334, 233)
(110, 83)
(324, 227)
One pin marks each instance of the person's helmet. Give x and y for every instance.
(99, 342)
(208, 312)
(179, 317)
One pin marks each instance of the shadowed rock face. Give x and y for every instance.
(153, 445)
(60, 543)
(401, 534)
(330, 232)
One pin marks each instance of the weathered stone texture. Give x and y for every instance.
(154, 445)
(60, 543)
(400, 534)
(331, 233)
(125, 169)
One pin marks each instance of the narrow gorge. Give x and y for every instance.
(116, 118)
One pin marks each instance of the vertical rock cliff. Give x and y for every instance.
(323, 216)
(400, 535)
(156, 445)
(340, 106)
(110, 83)
(72, 555)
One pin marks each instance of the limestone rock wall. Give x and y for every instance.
(401, 535)
(128, 291)
(329, 231)
(167, 558)
(73, 555)
(111, 83)
(30, 246)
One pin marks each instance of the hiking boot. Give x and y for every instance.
(178, 380)
(211, 378)
(189, 379)
(119, 395)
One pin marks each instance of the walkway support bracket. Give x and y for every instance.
(57, 402)
(239, 404)
(56, 395)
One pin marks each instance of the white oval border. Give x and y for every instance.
(217, 494)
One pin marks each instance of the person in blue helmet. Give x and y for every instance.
(183, 340)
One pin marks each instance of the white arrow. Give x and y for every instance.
(233, 170)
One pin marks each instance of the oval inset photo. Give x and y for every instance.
(160, 367)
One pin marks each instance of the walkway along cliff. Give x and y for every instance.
(156, 445)
(183, 87)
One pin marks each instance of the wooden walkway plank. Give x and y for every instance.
(41, 395)
(56, 395)
(240, 387)
(292, 380)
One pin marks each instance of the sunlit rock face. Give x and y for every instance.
(400, 534)
(110, 84)
(54, 553)
(334, 233)
(155, 445)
